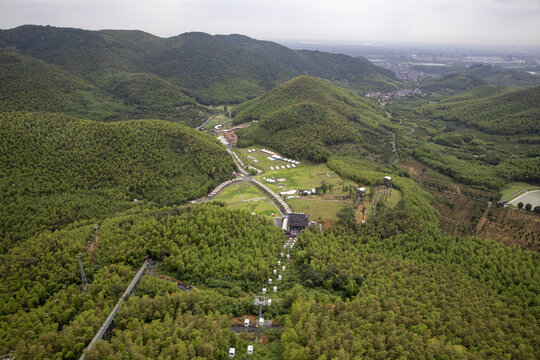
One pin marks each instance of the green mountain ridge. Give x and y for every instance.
(217, 69)
(515, 112)
(32, 85)
(452, 83)
(499, 76)
(58, 169)
(305, 116)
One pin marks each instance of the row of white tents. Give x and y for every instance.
(277, 167)
(275, 156)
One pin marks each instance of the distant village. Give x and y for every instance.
(383, 97)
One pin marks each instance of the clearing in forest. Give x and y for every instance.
(246, 196)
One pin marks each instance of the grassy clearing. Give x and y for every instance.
(512, 187)
(318, 209)
(217, 120)
(390, 202)
(530, 197)
(247, 197)
(263, 162)
(303, 177)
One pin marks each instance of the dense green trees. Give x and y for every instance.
(44, 312)
(216, 69)
(31, 85)
(305, 117)
(57, 169)
(420, 295)
(515, 112)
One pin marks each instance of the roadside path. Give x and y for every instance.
(200, 127)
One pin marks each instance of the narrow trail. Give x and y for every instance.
(394, 150)
(92, 245)
(483, 219)
(200, 127)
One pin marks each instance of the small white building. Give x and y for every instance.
(250, 349)
(270, 281)
(264, 290)
(275, 288)
(232, 351)
(246, 322)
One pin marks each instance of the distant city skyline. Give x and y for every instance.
(466, 22)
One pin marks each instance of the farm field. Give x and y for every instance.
(246, 196)
(457, 213)
(429, 178)
(512, 227)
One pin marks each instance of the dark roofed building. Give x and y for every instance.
(297, 223)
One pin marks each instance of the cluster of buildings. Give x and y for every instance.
(405, 72)
(382, 97)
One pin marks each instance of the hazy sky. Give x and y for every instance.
(509, 22)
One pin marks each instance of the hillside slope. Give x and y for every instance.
(306, 116)
(28, 84)
(217, 69)
(33, 85)
(500, 76)
(516, 112)
(452, 83)
(58, 169)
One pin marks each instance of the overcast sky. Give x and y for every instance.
(492, 22)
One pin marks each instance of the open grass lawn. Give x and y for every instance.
(218, 119)
(318, 209)
(247, 197)
(263, 162)
(303, 177)
(512, 187)
(529, 197)
(390, 202)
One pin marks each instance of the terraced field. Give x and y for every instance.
(456, 213)
(513, 227)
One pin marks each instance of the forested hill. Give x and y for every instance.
(516, 112)
(452, 83)
(33, 85)
(216, 69)
(500, 76)
(306, 116)
(58, 169)
(29, 84)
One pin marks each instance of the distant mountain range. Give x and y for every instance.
(210, 69)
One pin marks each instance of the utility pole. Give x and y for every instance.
(83, 275)
(261, 301)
